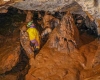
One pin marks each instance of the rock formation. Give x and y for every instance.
(66, 37)
(9, 57)
(9, 52)
(66, 55)
(58, 62)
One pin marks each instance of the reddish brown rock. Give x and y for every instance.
(80, 63)
(9, 51)
(8, 77)
(54, 64)
(9, 55)
(67, 35)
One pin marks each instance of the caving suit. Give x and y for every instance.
(34, 36)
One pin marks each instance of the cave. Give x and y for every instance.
(69, 40)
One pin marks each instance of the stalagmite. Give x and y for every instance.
(66, 36)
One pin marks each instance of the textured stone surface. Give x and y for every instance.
(92, 6)
(2, 2)
(9, 56)
(67, 35)
(58, 64)
(48, 5)
(52, 64)
(8, 77)
(87, 5)
(56, 61)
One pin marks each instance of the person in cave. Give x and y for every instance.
(33, 36)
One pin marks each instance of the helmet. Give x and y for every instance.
(30, 23)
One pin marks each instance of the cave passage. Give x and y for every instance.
(10, 22)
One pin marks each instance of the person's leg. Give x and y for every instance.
(36, 45)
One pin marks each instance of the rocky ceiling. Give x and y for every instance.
(4, 4)
(91, 6)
